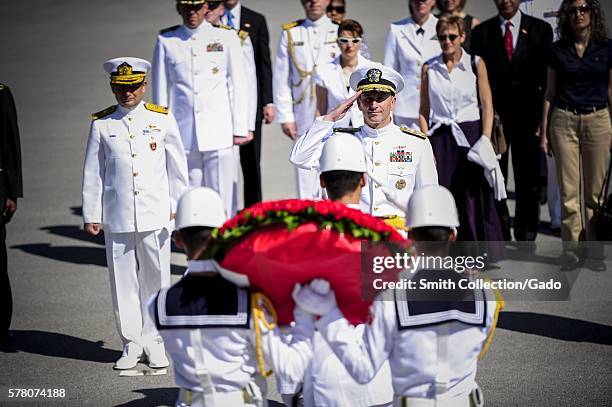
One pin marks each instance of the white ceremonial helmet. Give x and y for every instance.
(200, 207)
(432, 205)
(342, 151)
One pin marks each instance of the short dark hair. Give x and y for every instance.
(340, 182)
(195, 239)
(351, 26)
(432, 239)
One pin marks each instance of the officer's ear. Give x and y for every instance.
(144, 87)
(362, 182)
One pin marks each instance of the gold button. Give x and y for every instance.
(135, 192)
(133, 155)
(131, 136)
(377, 163)
(375, 209)
(135, 174)
(129, 118)
(376, 186)
(377, 142)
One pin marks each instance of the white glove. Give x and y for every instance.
(313, 302)
(482, 153)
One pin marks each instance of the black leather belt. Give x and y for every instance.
(580, 109)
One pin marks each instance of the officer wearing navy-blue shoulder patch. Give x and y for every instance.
(433, 339)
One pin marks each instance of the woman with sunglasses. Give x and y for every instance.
(576, 118)
(455, 7)
(332, 79)
(336, 10)
(451, 85)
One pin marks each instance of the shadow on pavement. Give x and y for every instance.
(60, 345)
(70, 254)
(551, 326)
(154, 397)
(74, 232)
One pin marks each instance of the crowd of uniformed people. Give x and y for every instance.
(410, 140)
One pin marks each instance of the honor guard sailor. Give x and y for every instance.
(432, 340)
(304, 45)
(199, 72)
(208, 322)
(134, 173)
(399, 159)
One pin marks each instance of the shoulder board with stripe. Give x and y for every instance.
(104, 113)
(223, 26)
(167, 30)
(412, 132)
(156, 108)
(288, 26)
(345, 130)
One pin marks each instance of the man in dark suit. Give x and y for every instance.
(10, 190)
(514, 47)
(242, 18)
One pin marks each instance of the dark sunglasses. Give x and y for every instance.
(451, 37)
(191, 7)
(337, 9)
(584, 9)
(344, 40)
(128, 88)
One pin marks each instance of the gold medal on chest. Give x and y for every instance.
(153, 144)
(215, 70)
(400, 184)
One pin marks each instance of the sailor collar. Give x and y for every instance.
(198, 266)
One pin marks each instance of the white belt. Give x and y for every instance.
(458, 134)
(190, 398)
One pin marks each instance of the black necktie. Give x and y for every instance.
(420, 31)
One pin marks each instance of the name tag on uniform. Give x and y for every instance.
(214, 47)
(399, 154)
(297, 43)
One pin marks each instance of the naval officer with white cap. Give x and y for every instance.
(399, 158)
(431, 338)
(134, 173)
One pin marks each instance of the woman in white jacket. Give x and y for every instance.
(332, 79)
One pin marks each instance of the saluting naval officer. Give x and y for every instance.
(431, 338)
(400, 159)
(135, 171)
(304, 45)
(199, 72)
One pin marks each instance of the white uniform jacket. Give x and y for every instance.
(304, 45)
(331, 77)
(412, 352)
(135, 169)
(406, 52)
(222, 347)
(193, 72)
(404, 161)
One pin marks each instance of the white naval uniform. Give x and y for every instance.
(134, 174)
(193, 72)
(406, 52)
(413, 348)
(402, 160)
(216, 353)
(314, 44)
(331, 77)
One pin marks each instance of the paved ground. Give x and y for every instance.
(546, 353)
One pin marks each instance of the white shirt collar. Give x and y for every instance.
(370, 132)
(515, 20)
(204, 26)
(196, 266)
(125, 110)
(320, 22)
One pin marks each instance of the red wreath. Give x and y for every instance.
(280, 243)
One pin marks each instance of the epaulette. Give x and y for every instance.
(223, 26)
(345, 130)
(156, 108)
(415, 133)
(288, 26)
(167, 30)
(104, 113)
(243, 34)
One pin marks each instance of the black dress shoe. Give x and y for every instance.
(596, 265)
(569, 262)
(6, 338)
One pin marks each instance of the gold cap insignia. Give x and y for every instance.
(124, 69)
(400, 184)
(374, 75)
